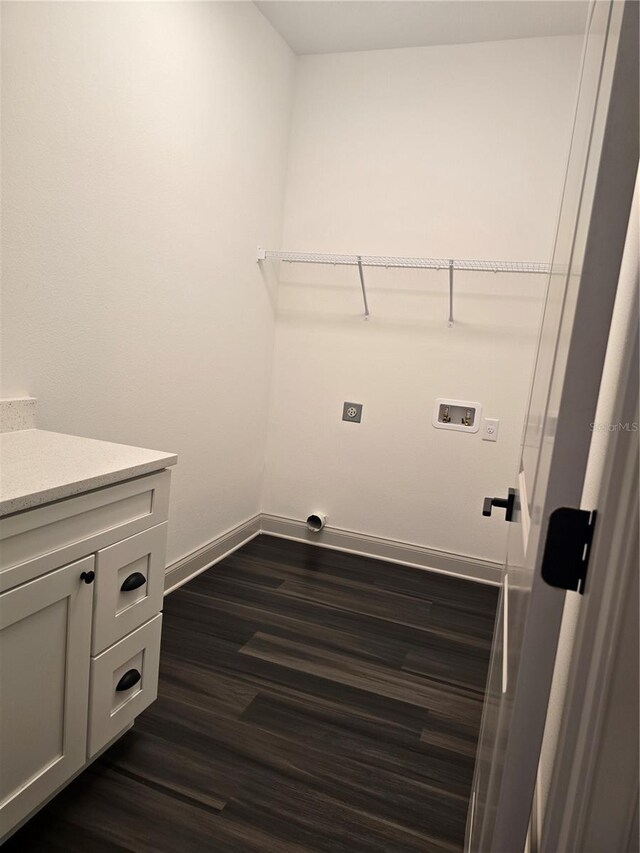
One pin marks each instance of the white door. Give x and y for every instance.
(45, 645)
(589, 244)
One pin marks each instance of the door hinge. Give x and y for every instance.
(568, 546)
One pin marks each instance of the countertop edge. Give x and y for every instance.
(68, 490)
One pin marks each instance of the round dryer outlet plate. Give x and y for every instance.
(352, 412)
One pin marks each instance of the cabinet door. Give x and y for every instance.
(45, 638)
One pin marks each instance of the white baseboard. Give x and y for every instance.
(193, 564)
(417, 556)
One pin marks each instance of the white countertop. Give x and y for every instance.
(37, 466)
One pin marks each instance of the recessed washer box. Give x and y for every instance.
(461, 415)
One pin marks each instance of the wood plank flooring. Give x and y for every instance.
(309, 700)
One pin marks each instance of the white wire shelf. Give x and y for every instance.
(394, 262)
(402, 262)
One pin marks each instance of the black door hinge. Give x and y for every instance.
(568, 546)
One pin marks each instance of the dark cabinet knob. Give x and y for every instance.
(88, 577)
(134, 581)
(128, 680)
(508, 504)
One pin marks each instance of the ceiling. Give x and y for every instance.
(335, 26)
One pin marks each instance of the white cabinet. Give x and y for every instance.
(47, 537)
(124, 681)
(45, 642)
(79, 641)
(129, 585)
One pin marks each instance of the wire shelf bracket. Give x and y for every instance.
(393, 262)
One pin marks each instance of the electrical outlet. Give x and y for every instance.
(490, 429)
(352, 412)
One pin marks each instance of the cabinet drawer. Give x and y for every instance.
(129, 586)
(124, 681)
(38, 540)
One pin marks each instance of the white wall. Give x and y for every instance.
(144, 156)
(144, 149)
(442, 151)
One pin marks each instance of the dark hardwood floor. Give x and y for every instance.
(309, 700)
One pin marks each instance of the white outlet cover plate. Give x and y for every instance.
(465, 404)
(490, 427)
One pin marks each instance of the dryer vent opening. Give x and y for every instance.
(316, 522)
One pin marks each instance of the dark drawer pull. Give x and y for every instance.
(88, 577)
(133, 582)
(128, 680)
